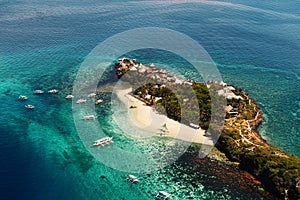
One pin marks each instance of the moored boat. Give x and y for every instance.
(132, 179)
(80, 101)
(29, 106)
(38, 92)
(102, 141)
(99, 101)
(69, 96)
(162, 195)
(89, 117)
(53, 91)
(92, 95)
(22, 97)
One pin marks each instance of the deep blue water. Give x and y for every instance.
(255, 45)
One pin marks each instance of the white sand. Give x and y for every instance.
(145, 118)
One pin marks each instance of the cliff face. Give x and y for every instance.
(254, 123)
(278, 170)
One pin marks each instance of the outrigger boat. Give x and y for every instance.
(132, 179)
(162, 195)
(92, 95)
(102, 141)
(22, 97)
(38, 92)
(29, 106)
(89, 117)
(99, 101)
(80, 101)
(53, 91)
(69, 96)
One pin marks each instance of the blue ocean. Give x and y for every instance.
(255, 45)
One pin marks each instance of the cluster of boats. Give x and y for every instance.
(52, 91)
(24, 98)
(81, 101)
(30, 106)
(55, 91)
(161, 195)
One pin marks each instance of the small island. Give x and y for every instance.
(278, 170)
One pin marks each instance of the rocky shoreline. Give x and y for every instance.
(226, 173)
(278, 171)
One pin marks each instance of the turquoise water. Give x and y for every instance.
(42, 45)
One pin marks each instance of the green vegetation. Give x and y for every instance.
(246, 110)
(278, 170)
(190, 104)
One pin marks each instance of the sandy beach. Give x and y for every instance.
(145, 118)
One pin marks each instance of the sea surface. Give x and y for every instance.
(255, 45)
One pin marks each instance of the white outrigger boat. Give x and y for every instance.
(69, 96)
(89, 117)
(132, 179)
(162, 195)
(22, 97)
(102, 141)
(53, 91)
(38, 92)
(92, 95)
(99, 101)
(29, 106)
(80, 101)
